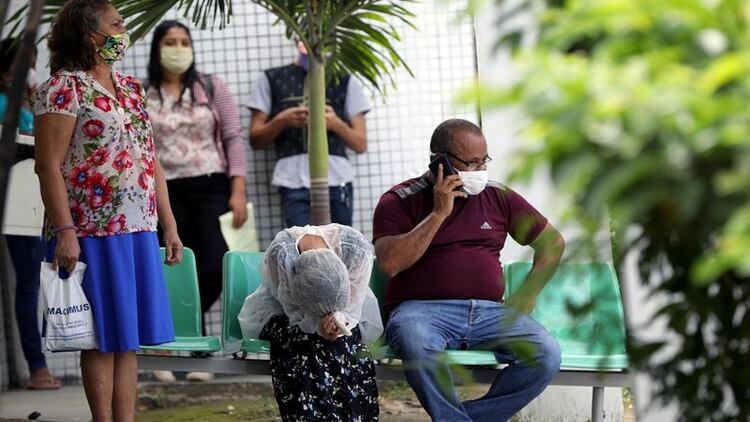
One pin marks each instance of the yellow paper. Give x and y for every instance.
(244, 238)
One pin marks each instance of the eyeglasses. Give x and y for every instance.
(470, 165)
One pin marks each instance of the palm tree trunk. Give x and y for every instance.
(317, 136)
(3, 12)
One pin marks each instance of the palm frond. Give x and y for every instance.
(349, 36)
(294, 15)
(363, 42)
(142, 15)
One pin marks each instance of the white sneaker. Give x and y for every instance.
(164, 376)
(199, 376)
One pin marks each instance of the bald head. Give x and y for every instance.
(447, 133)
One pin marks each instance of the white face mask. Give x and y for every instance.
(176, 59)
(474, 181)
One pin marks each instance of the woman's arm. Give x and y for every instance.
(172, 242)
(238, 201)
(234, 147)
(52, 139)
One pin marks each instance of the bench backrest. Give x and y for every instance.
(581, 303)
(378, 281)
(591, 337)
(241, 276)
(184, 296)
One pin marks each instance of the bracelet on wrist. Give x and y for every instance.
(62, 228)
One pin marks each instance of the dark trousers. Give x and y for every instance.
(295, 205)
(26, 252)
(197, 203)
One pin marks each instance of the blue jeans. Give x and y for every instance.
(295, 205)
(420, 330)
(26, 252)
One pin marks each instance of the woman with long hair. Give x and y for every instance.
(199, 143)
(103, 190)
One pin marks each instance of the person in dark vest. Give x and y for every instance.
(279, 118)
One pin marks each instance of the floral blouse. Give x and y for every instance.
(109, 166)
(184, 136)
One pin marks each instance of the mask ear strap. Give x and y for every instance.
(97, 31)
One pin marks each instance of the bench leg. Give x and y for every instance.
(597, 404)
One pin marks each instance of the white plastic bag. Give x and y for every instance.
(70, 320)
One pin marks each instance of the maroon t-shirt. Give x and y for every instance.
(463, 260)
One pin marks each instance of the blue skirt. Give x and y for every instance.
(124, 283)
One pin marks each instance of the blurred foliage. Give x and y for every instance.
(639, 108)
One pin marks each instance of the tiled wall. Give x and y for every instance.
(441, 53)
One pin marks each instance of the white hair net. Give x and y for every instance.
(320, 284)
(310, 285)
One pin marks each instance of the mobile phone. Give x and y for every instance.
(447, 167)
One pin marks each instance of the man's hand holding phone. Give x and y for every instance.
(445, 192)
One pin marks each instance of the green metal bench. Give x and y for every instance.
(593, 344)
(241, 276)
(582, 308)
(185, 303)
(594, 340)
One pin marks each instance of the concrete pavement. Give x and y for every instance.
(65, 404)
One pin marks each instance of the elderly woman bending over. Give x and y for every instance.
(317, 310)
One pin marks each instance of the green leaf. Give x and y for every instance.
(142, 15)
(726, 69)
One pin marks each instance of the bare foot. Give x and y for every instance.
(42, 379)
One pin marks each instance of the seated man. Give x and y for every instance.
(438, 238)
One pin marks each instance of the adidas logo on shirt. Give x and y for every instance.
(486, 226)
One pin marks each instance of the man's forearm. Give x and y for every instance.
(399, 252)
(547, 254)
(541, 272)
(352, 138)
(264, 134)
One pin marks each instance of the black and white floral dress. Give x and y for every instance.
(315, 379)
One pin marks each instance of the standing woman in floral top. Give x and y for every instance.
(102, 186)
(199, 143)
